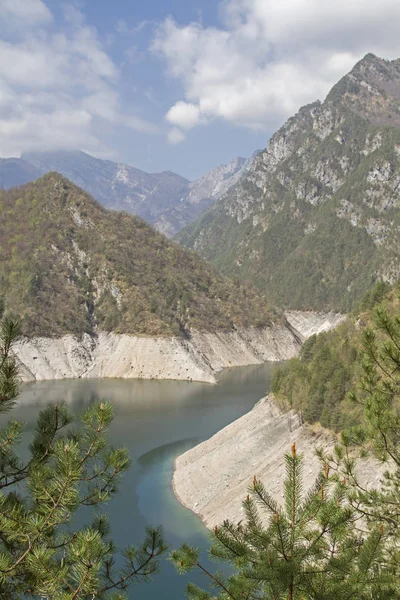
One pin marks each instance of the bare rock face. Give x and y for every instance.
(315, 221)
(201, 194)
(309, 323)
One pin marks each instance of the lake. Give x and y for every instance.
(157, 421)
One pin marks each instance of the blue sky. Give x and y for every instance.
(181, 85)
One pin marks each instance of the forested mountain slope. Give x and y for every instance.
(317, 382)
(68, 265)
(316, 220)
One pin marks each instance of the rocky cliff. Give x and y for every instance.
(311, 323)
(203, 193)
(315, 221)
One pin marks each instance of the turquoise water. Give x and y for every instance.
(156, 420)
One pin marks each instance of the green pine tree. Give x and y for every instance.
(309, 548)
(378, 394)
(42, 554)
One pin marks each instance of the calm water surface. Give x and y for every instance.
(156, 420)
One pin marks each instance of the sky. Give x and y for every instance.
(179, 85)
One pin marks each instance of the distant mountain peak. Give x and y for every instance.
(166, 200)
(368, 59)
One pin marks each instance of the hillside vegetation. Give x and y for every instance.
(67, 265)
(166, 200)
(317, 382)
(316, 221)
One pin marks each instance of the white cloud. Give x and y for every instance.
(24, 12)
(185, 115)
(58, 88)
(33, 131)
(175, 136)
(268, 58)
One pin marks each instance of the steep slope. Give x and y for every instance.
(203, 193)
(166, 200)
(15, 171)
(316, 382)
(67, 265)
(315, 222)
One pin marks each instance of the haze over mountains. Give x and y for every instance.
(166, 200)
(16, 171)
(316, 220)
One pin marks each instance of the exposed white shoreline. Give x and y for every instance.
(123, 356)
(196, 359)
(212, 479)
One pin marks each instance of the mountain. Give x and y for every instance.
(14, 171)
(166, 200)
(202, 194)
(68, 265)
(316, 219)
(114, 185)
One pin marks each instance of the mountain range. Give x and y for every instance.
(315, 221)
(312, 221)
(166, 200)
(68, 265)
